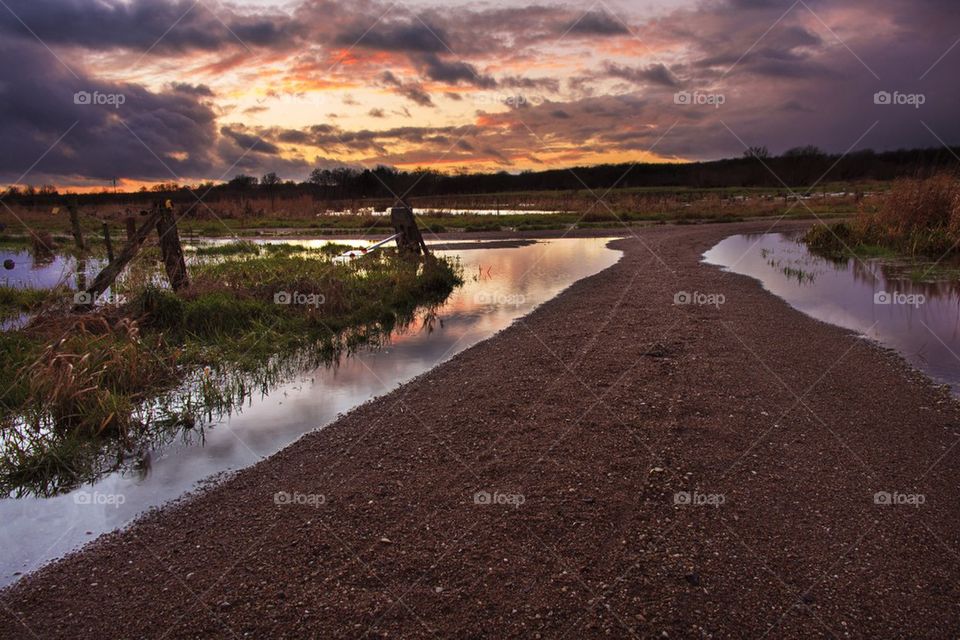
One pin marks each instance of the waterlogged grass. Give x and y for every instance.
(14, 301)
(917, 218)
(89, 393)
(591, 215)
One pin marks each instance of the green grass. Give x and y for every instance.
(14, 301)
(841, 243)
(86, 389)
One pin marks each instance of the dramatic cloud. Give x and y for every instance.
(213, 88)
(159, 26)
(652, 74)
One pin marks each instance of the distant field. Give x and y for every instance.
(573, 209)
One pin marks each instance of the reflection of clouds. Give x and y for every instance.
(927, 335)
(28, 273)
(315, 398)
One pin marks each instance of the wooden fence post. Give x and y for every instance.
(110, 272)
(81, 274)
(172, 250)
(131, 228)
(410, 241)
(75, 225)
(107, 241)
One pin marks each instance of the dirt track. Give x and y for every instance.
(597, 409)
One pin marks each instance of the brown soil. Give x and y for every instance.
(598, 409)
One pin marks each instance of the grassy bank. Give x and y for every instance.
(89, 392)
(916, 226)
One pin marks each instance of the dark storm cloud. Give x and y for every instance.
(412, 91)
(551, 85)
(249, 142)
(166, 26)
(37, 105)
(787, 80)
(167, 135)
(410, 36)
(652, 74)
(454, 72)
(599, 23)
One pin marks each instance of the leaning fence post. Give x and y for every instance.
(109, 273)
(172, 250)
(409, 239)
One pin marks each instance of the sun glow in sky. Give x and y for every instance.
(212, 89)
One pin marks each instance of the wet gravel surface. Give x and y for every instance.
(612, 465)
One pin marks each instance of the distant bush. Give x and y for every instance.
(918, 216)
(834, 240)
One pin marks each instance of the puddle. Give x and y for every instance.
(28, 273)
(919, 320)
(502, 284)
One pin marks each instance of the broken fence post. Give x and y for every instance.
(109, 273)
(172, 250)
(409, 239)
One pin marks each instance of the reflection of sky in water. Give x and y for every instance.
(501, 285)
(28, 274)
(927, 334)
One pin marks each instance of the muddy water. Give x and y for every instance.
(502, 284)
(919, 320)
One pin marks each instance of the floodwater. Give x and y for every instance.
(28, 273)
(502, 284)
(434, 211)
(20, 270)
(920, 320)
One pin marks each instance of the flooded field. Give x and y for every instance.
(441, 211)
(501, 285)
(920, 320)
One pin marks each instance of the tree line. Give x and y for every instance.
(797, 168)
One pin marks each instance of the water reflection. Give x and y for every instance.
(871, 297)
(48, 272)
(502, 284)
